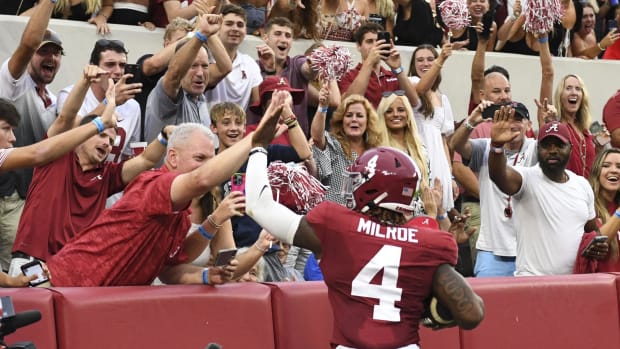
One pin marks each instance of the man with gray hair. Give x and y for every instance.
(144, 234)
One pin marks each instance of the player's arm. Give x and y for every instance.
(454, 293)
(277, 219)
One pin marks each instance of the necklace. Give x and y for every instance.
(508, 209)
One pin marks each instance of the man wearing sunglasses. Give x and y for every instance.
(24, 78)
(110, 56)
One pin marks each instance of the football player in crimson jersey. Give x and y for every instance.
(378, 271)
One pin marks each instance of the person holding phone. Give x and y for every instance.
(613, 51)
(370, 78)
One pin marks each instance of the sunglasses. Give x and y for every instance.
(110, 43)
(397, 92)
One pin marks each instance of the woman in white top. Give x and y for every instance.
(433, 115)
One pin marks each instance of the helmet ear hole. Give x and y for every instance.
(397, 163)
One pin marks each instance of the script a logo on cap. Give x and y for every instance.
(552, 128)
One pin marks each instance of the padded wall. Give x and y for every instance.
(235, 316)
(568, 312)
(41, 333)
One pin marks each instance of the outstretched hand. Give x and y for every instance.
(457, 228)
(502, 131)
(266, 129)
(93, 73)
(109, 116)
(547, 110)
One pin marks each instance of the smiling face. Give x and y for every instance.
(232, 31)
(588, 20)
(355, 121)
(395, 116)
(571, 95)
(477, 8)
(610, 173)
(192, 153)
(229, 129)
(45, 63)
(195, 80)
(424, 59)
(280, 39)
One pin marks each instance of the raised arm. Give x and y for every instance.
(31, 38)
(477, 70)
(208, 24)
(223, 64)
(427, 81)
(68, 117)
(546, 81)
(460, 139)
(317, 129)
(149, 158)
(506, 178)
(360, 83)
(453, 292)
(54, 147)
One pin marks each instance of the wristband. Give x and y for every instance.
(263, 250)
(324, 109)
(398, 70)
(205, 276)
(163, 133)
(543, 40)
(99, 123)
(105, 101)
(212, 221)
(258, 150)
(497, 150)
(162, 140)
(441, 217)
(617, 214)
(598, 44)
(54, 1)
(292, 125)
(469, 126)
(205, 233)
(200, 36)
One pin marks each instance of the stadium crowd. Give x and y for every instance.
(140, 174)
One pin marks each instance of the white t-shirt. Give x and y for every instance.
(497, 232)
(237, 86)
(128, 116)
(550, 219)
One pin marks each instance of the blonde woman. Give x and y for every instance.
(354, 128)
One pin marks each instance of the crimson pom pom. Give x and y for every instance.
(331, 62)
(455, 14)
(294, 187)
(541, 14)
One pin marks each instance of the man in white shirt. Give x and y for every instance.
(552, 206)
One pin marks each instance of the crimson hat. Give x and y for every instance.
(272, 83)
(554, 129)
(611, 112)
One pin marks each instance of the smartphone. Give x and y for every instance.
(34, 268)
(135, 70)
(487, 23)
(489, 112)
(237, 182)
(597, 239)
(612, 24)
(384, 36)
(224, 256)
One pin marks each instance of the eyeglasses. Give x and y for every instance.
(397, 92)
(108, 43)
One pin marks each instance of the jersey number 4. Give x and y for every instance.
(388, 259)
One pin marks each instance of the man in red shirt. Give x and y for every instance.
(144, 234)
(379, 270)
(369, 78)
(68, 194)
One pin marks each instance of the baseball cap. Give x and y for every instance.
(51, 37)
(554, 129)
(520, 109)
(611, 112)
(272, 83)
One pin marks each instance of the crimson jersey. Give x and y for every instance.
(377, 275)
(130, 242)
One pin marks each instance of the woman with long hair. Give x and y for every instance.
(354, 128)
(605, 182)
(572, 103)
(433, 115)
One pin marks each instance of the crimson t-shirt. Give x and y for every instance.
(377, 275)
(130, 242)
(385, 81)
